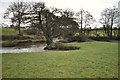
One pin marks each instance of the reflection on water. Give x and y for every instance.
(32, 48)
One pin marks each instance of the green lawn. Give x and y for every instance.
(9, 31)
(93, 60)
(0, 66)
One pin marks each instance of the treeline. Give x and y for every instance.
(53, 22)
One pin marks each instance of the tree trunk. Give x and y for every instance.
(111, 32)
(48, 40)
(104, 27)
(108, 31)
(19, 32)
(45, 28)
(111, 28)
(85, 28)
(81, 21)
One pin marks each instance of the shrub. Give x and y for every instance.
(81, 38)
(71, 39)
(30, 31)
(78, 37)
(9, 44)
(20, 42)
(60, 46)
(39, 37)
(8, 37)
(14, 37)
(24, 42)
(16, 43)
(104, 38)
(39, 41)
(100, 38)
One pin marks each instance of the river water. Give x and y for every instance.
(31, 48)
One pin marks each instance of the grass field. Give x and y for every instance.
(9, 31)
(0, 66)
(93, 60)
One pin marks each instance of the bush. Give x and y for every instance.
(39, 41)
(104, 38)
(81, 38)
(60, 46)
(9, 44)
(39, 37)
(78, 38)
(100, 38)
(14, 37)
(16, 43)
(23, 41)
(30, 31)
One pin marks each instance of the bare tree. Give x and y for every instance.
(88, 19)
(16, 12)
(80, 18)
(45, 19)
(84, 18)
(108, 18)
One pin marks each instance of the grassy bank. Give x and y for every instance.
(9, 31)
(10, 38)
(26, 42)
(93, 60)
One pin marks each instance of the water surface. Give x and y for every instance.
(31, 48)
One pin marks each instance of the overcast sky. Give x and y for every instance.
(95, 7)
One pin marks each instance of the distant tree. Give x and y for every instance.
(84, 18)
(16, 12)
(88, 19)
(108, 18)
(67, 22)
(80, 18)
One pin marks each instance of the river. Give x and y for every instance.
(31, 48)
